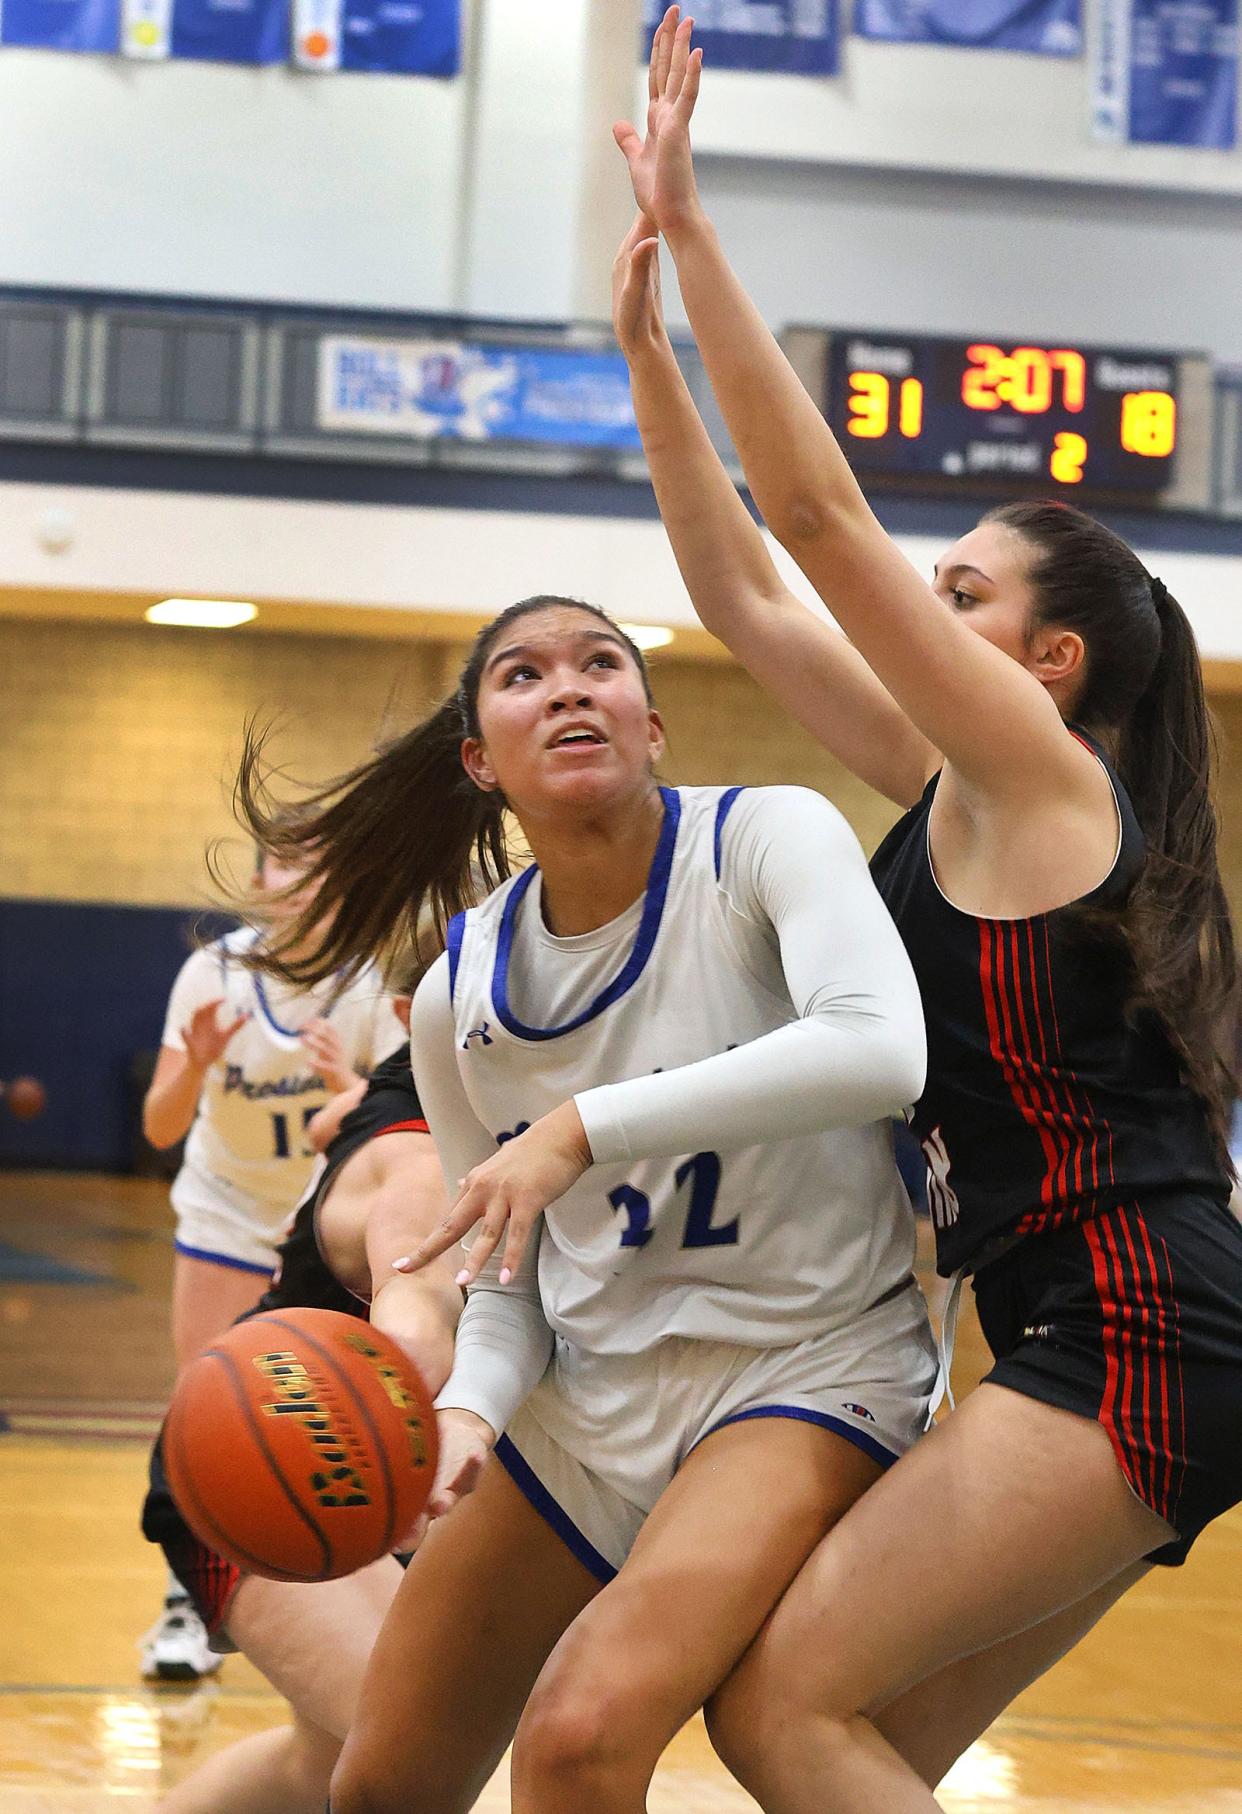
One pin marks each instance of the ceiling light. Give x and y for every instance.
(201, 613)
(648, 636)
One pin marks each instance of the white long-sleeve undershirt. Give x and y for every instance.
(805, 920)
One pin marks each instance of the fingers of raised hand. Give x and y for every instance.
(662, 49)
(657, 67)
(679, 59)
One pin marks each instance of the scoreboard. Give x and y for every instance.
(979, 415)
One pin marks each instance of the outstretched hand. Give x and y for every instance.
(204, 1038)
(661, 165)
(637, 312)
(507, 1194)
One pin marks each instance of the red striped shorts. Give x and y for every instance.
(1134, 1318)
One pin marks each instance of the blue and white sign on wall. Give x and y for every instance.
(1052, 28)
(88, 25)
(216, 31)
(398, 37)
(788, 37)
(478, 391)
(1165, 72)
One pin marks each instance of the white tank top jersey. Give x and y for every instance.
(755, 994)
(246, 1152)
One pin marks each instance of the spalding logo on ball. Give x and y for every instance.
(301, 1445)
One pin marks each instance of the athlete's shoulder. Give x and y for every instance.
(788, 812)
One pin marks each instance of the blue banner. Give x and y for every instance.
(396, 37)
(787, 37)
(476, 391)
(1052, 28)
(216, 31)
(231, 31)
(1166, 72)
(89, 25)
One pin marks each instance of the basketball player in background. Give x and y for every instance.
(245, 1065)
(379, 1190)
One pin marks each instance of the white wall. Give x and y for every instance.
(213, 181)
(951, 255)
(428, 560)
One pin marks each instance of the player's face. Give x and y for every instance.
(984, 579)
(270, 882)
(564, 716)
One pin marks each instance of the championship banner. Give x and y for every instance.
(86, 25)
(785, 37)
(394, 37)
(1051, 28)
(1165, 72)
(216, 31)
(478, 391)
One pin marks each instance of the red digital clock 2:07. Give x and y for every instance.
(980, 414)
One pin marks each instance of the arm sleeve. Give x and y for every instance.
(857, 1050)
(198, 982)
(503, 1339)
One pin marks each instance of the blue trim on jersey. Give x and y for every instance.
(723, 809)
(838, 1425)
(221, 1259)
(452, 944)
(532, 1488)
(635, 963)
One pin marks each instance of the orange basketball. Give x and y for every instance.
(301, 1445)
(26, 1098)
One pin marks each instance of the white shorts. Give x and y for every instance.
(601, 1436)
(244, 1236)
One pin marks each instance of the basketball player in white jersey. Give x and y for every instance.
(245, 1064)
(684, 1030)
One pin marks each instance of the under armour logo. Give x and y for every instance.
(479, 1033)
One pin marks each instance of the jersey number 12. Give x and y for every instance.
(702, 1174)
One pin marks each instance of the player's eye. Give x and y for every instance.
(517, 671)
(603, 659)
(962, 601)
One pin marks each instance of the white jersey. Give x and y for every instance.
(755, 995)
(247, 1161)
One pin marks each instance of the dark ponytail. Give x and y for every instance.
(405, 834)
(1143, 694)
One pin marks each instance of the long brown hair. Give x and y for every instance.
(404, 835)
(1144, 692)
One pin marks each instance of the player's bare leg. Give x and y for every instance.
(312, 1641)
(720, 1547)
(1025, 1513)
(482, 1605)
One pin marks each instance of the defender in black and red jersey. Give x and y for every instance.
(1060, 896)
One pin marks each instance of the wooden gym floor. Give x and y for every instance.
(1145, 1715)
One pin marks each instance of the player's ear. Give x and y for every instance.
(401, 1005)
(475, 761)
(656, 741)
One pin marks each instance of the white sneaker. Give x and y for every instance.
(175, 1649)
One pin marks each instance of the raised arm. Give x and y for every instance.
(997, 726)
(730, 576)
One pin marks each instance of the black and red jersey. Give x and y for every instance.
(1048, 1099)
(302, 1277)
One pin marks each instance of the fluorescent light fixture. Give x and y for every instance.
(648, 636)
(201, 613)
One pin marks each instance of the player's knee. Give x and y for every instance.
(573, 1735)
(368, 1784)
